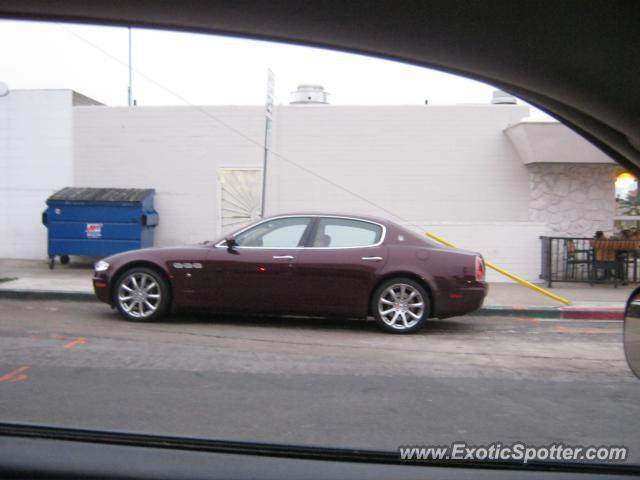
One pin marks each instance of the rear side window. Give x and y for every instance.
(342, 232)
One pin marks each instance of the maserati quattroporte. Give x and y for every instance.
(303, 264)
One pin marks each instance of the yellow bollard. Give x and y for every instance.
(506, 273)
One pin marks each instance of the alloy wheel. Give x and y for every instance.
(401, 306)
(139, 295)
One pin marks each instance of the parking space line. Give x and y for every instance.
(15, 376)
(75, 342)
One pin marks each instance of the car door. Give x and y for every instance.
(257, 275)
(335, 274)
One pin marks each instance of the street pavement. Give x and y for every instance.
(338, 383)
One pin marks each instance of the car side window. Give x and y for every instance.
(342, 232)
(277, 233)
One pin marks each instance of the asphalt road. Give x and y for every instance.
(336, 383)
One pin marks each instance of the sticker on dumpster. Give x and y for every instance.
(94, 230)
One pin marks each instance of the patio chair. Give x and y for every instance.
(606, 261)
(574, 256)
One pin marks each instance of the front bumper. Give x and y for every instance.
(101, 287)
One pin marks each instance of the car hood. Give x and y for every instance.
(159, 253)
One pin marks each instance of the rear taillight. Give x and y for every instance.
(479, 269)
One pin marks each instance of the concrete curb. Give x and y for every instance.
(564, 313)
(519, 311)
(567, 313)
(47, 295)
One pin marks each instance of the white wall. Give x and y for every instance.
(176, 150)
(441, 163)
(36, 159)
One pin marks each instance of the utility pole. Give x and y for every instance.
(130, 90)
(268, 113)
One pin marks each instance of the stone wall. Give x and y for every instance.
(573, 199)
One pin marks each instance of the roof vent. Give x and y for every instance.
(309, 94)
(502, 98)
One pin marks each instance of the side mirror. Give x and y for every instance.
(632, 332)
(231, 244)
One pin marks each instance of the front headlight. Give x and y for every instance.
(101, 266)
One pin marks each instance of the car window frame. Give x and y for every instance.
(313, 233)
(308, 233)
(301, 242)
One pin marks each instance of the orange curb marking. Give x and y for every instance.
(77, 341)
(15, 376)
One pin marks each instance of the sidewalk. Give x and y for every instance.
(597, 302)
(34, 279)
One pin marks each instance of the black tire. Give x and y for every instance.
(161, 288)
(401, 317)
(64, 259)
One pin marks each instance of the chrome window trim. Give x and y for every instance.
(220, 244)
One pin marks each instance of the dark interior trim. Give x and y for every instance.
(174, 443)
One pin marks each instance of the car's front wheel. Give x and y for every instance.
(400, 305)
(141, 295)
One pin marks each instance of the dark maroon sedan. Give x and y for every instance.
(303, 264)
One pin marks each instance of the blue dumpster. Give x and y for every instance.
(97, 222)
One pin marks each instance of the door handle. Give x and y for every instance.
(372, 259)
(282, 257)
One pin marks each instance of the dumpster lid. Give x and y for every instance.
(102, 194)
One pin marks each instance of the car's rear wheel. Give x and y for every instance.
(400, 305)
(141, 295)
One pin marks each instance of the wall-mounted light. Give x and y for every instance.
(625, 183)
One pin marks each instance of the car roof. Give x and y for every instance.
(355, 216)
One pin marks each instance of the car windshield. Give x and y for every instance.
(409, 260)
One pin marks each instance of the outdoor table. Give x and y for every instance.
(615, 253)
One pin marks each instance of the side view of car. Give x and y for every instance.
(302, 264)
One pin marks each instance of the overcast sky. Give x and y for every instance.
(176, 68)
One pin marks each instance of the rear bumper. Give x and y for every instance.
(462, 300)
(475, 296)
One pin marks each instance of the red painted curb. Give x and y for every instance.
(577, 313)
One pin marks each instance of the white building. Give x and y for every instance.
(478, 175)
